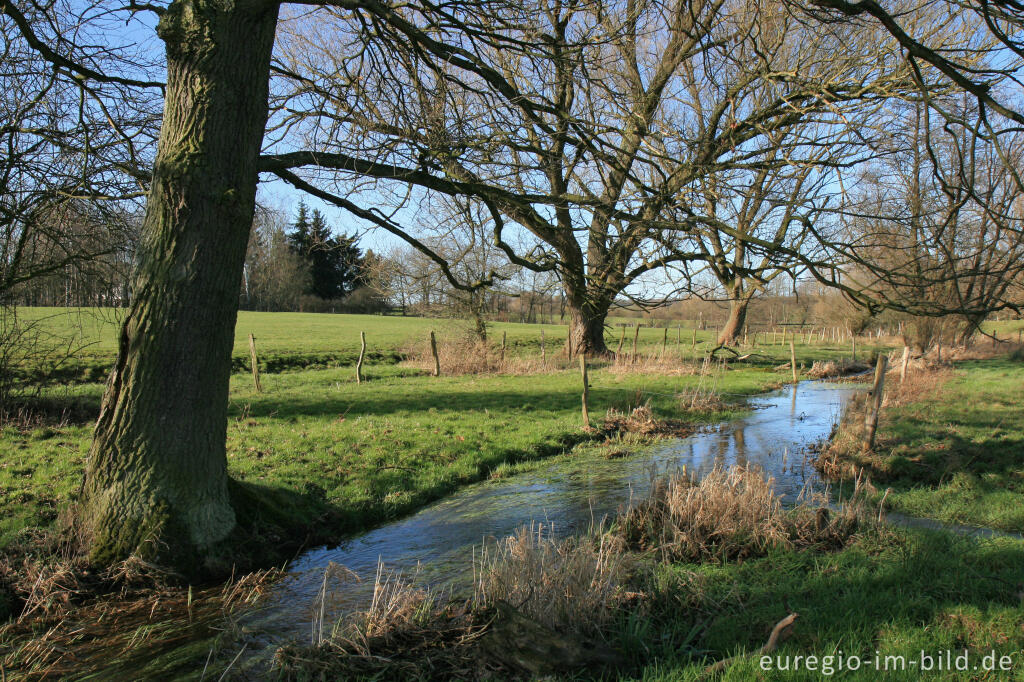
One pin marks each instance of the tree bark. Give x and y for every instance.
(734, 324)
(156, 481)
(586, 331)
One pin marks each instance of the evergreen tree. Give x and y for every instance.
(335, 263)
(299, 237)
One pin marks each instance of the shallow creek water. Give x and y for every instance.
(435, 545)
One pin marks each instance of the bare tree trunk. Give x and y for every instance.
(156, 482)
(733, 327)
(586, 331)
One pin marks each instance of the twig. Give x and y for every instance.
(224, 674)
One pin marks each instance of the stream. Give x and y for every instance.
(435, 545)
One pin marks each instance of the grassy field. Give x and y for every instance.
(332, 457)
(293, 341)
(953, 448)
(362, 453)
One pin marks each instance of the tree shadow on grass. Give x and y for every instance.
(450, 399)
(915, 590)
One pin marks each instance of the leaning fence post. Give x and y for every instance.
(636, 337)
(543, 350)
(255, 364)
(792, 358)
(362, 354)
(433, 351)
(664, 343)
(503, 346)
(871, 418)
(586, 392)
(622, 339)
(693, 341)
(903, 365)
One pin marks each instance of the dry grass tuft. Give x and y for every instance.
(919, 385)
(831, 369)
(572, 585)
(671, 363)
(729, 514)
(640, 421)
(407, 633)
(130, 628)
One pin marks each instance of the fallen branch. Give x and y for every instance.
(736, 356)
(782, 630)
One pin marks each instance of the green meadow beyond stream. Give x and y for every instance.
(435, 546)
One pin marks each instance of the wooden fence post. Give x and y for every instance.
(792, 358)
(693, 341)
(903, 365)
(433, 351)
(622, 339)
(664, 343)
(255, 364)
(503, 346)
(362, 354)
(586, 392)
(871, 418)
(636, 338)
(543, 350)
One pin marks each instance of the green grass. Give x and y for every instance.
(320, 444)
(290, 341)
(895, 592)
(956, 455)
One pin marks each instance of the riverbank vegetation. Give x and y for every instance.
(750, 579)
(950, 443)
